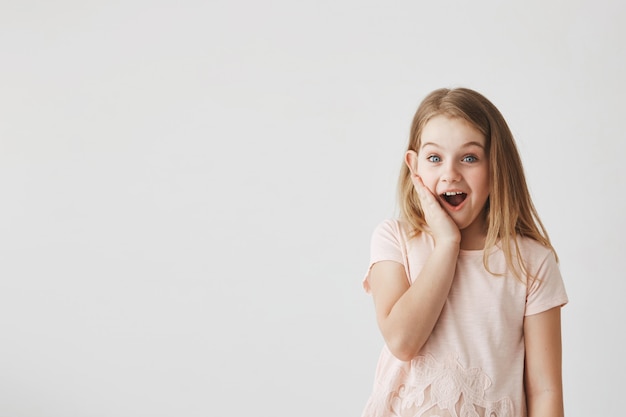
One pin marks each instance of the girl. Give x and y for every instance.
(466, 285)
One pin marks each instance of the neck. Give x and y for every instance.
(473, 236)
(473, 242)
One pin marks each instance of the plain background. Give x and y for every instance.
(188, 190)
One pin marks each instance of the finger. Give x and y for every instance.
(422, 191)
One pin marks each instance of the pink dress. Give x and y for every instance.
(472, 365)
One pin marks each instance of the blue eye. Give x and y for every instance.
(434, 158)
(469, 158)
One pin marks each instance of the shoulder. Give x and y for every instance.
(389, 228)
(545, 287)
(529, 259)
(388, 243)
(534, 253)
(395, 231)
(390, 237)
(390, 225)
(398, 235)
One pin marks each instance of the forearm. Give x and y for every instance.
(543, 373)
(412, 318)
(545, 404)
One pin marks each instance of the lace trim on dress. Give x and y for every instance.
(428, 388)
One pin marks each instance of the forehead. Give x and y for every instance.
(450, 132)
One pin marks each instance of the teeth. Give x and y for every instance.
(452, 193)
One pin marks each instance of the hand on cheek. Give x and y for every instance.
(439, 221)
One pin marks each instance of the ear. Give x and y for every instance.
(410, 158)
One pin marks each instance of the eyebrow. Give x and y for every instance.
(465, 145)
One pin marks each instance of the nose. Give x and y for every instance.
(450, 173)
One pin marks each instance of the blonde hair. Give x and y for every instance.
(510, 212)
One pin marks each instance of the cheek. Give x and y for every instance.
(422, 172)
(483, 179)
(429, 182)
(482, 184)
(428, 177)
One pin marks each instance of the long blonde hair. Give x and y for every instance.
(510, 212)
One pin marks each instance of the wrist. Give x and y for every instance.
(451, 244)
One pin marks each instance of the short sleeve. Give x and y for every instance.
(547, 289)
(387, 244)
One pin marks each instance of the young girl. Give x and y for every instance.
(465, 284)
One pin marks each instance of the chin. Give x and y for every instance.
(461, 223)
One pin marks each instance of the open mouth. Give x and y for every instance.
(454, 198)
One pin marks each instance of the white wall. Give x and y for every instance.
(188, 190)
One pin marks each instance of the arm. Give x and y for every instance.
(407, 314)
(543, 378)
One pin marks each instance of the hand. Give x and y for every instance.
(439, 221)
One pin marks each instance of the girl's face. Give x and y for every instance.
(453, 163)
